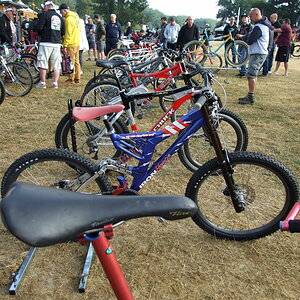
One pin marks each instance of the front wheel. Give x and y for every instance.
(296, 51)
(267, 188)
(2, 92)
(237, 53)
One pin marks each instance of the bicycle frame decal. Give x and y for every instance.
(145, 146)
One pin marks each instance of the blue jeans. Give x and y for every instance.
(242, 55)
(267, 66)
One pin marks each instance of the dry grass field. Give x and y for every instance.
(173, 260)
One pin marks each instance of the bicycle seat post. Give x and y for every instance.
(110, 264)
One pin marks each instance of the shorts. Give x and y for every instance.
(48, 54)
(255, 63)
(92, 44)
(283, 54)
(100, 46)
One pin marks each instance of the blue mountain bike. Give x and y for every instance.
(240, 196)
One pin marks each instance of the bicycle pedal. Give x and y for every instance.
(160, 219)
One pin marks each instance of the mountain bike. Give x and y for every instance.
(16, 78)
(91, 138)
(29, 211)
(240, 196)
(236, 53)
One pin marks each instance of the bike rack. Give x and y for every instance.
(17, 276)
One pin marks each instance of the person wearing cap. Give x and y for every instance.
(71, 40)
(26, 27)
(7, 26)
(100, 37)
(243, 34)
(50, 28)
(171, 34)
(231, 26)
(188, 32)
(113, 33)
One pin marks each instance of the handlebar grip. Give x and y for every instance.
(200, 102)
(294, 226)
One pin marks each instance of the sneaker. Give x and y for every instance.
(286, 74)
(262, 75)
(55, 85)
(270, 72)
(41, 85)
(76, 81)
(275, 73)
(96, 59)
(246, 100)
(240, 75)
(88, 59)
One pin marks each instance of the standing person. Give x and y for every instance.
(90, 30)
(162, 39)
(275, 24)
(50, 28)
(113, 33)
(84, 46)
(243, 34)
(231, 26)
(100, 37)
(284, 43)
(171, 34)
(188, 32)
(71, 41)
(7, 26)
(128, 31)
(259, 40)
(26, 29)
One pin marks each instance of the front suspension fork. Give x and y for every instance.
(222, 155)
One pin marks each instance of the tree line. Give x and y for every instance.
(137, 11)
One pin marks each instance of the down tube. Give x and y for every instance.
(197, 123)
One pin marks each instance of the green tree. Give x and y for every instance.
(84, 7)
(126, 10)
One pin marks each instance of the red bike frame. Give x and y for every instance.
(290, 220)
(109, 262)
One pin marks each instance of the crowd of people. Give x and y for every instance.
(61, 31)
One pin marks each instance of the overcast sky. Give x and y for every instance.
(195, 8)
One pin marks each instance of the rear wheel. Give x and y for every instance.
(55, 168)
(92, 139)
(17, 79)
(196, 51)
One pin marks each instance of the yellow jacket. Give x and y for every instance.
(72, 35)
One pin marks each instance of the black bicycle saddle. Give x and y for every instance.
(110, 64)
(43, 216)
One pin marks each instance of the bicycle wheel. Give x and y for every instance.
(269, 190)
(102, 93)
(17, 79)
(213, 62)
(116, 52)
(196, 51)
(92, 139)
(99, 78)
(56, 168)
(2, 92)
(237, 53)
(30, 62)
(296, 52)
(197, 149)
